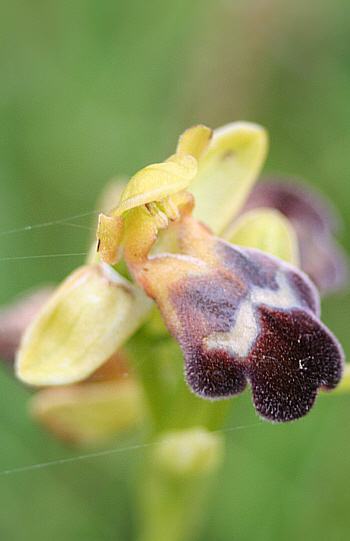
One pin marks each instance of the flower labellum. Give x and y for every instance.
(239, 314)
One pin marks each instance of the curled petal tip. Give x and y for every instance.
(109, 236)
(157, 182)
(195, 141)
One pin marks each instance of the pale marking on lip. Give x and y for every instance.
(241, 338)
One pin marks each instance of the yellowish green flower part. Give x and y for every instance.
(176, 260)
(70, 339)
(267, 230)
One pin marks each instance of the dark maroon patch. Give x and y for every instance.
(294, 356)
(214, 373)
(258, 269)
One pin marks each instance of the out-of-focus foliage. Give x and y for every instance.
(93, 89)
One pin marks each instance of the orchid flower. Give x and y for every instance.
(220, 258)
(195, 265)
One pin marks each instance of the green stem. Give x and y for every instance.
(171, 508)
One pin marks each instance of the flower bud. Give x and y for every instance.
(194, 452)
(90, 412)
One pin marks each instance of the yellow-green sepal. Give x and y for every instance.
(267, 230)
(89, 317)
(227, 172)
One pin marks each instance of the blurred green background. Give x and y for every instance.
(94, 88)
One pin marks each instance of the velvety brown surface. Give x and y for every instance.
(292, 354)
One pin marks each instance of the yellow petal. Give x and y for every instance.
(90, 412)
(267, 230)
(90, 316)
(194, 141)
(158, 181)
(227, 172)
(108, 199)
(109, 234)
(140, 234)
